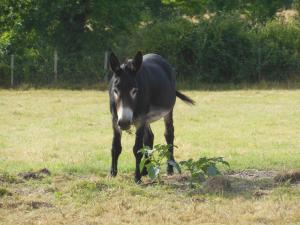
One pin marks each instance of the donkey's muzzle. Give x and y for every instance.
(124, 124)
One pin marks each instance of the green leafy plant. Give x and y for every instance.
(199, 170)
(154, 158)
(202, 168)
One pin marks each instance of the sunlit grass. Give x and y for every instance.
(71, 130)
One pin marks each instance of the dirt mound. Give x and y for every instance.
(38, 204)
(37, 175)
(30, 204)
(292, 176)
(253, 174)
(217, 184)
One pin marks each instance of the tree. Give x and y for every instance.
(256, 10)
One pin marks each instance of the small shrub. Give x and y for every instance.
(203, 168)
(199, 170)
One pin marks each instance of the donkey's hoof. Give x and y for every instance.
(113, 173)
(170, 171)
(144, 172)
(137, 180)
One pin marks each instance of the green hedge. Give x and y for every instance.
(225, 48)
(222, 49)
(279, 43)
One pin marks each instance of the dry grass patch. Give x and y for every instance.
(91, 199)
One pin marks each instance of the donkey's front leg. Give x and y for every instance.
(148, 141)
(138, 155)
(115, 150)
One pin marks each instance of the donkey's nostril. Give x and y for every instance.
(124, 124)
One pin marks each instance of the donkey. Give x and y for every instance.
(142, 91)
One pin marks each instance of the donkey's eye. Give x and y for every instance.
(133, 92)
(116, 93)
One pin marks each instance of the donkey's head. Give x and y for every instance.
(124, 88)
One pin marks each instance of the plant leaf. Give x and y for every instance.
(212, 171)
(225, 163)
(151, 172)
(201, 177)
(156, 171)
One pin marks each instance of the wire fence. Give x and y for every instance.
(53, 68)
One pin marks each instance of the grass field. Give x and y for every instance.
(69, 133)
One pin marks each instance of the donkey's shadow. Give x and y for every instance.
(248, 183)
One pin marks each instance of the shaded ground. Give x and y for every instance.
(242, 182)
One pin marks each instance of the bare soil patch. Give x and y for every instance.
(30, 204)
(217, 184)
(254, 174)
(39, 204)
(40, 174)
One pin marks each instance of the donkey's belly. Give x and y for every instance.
(156, 113)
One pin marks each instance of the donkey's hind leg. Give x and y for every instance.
(148, 141)
(169, 136)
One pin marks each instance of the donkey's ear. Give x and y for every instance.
(137, 61)
(114, 62)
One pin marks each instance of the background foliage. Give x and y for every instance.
(204, 40)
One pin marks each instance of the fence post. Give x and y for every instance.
(259, 63)
(12, 68)
(55, 65)
(106, 65)
(106, 60)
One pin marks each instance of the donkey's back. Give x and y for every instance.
(157, 79)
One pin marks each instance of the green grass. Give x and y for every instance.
(69, 132)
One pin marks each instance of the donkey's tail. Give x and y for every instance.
(185, 98)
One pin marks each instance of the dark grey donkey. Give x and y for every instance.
(141, 91)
